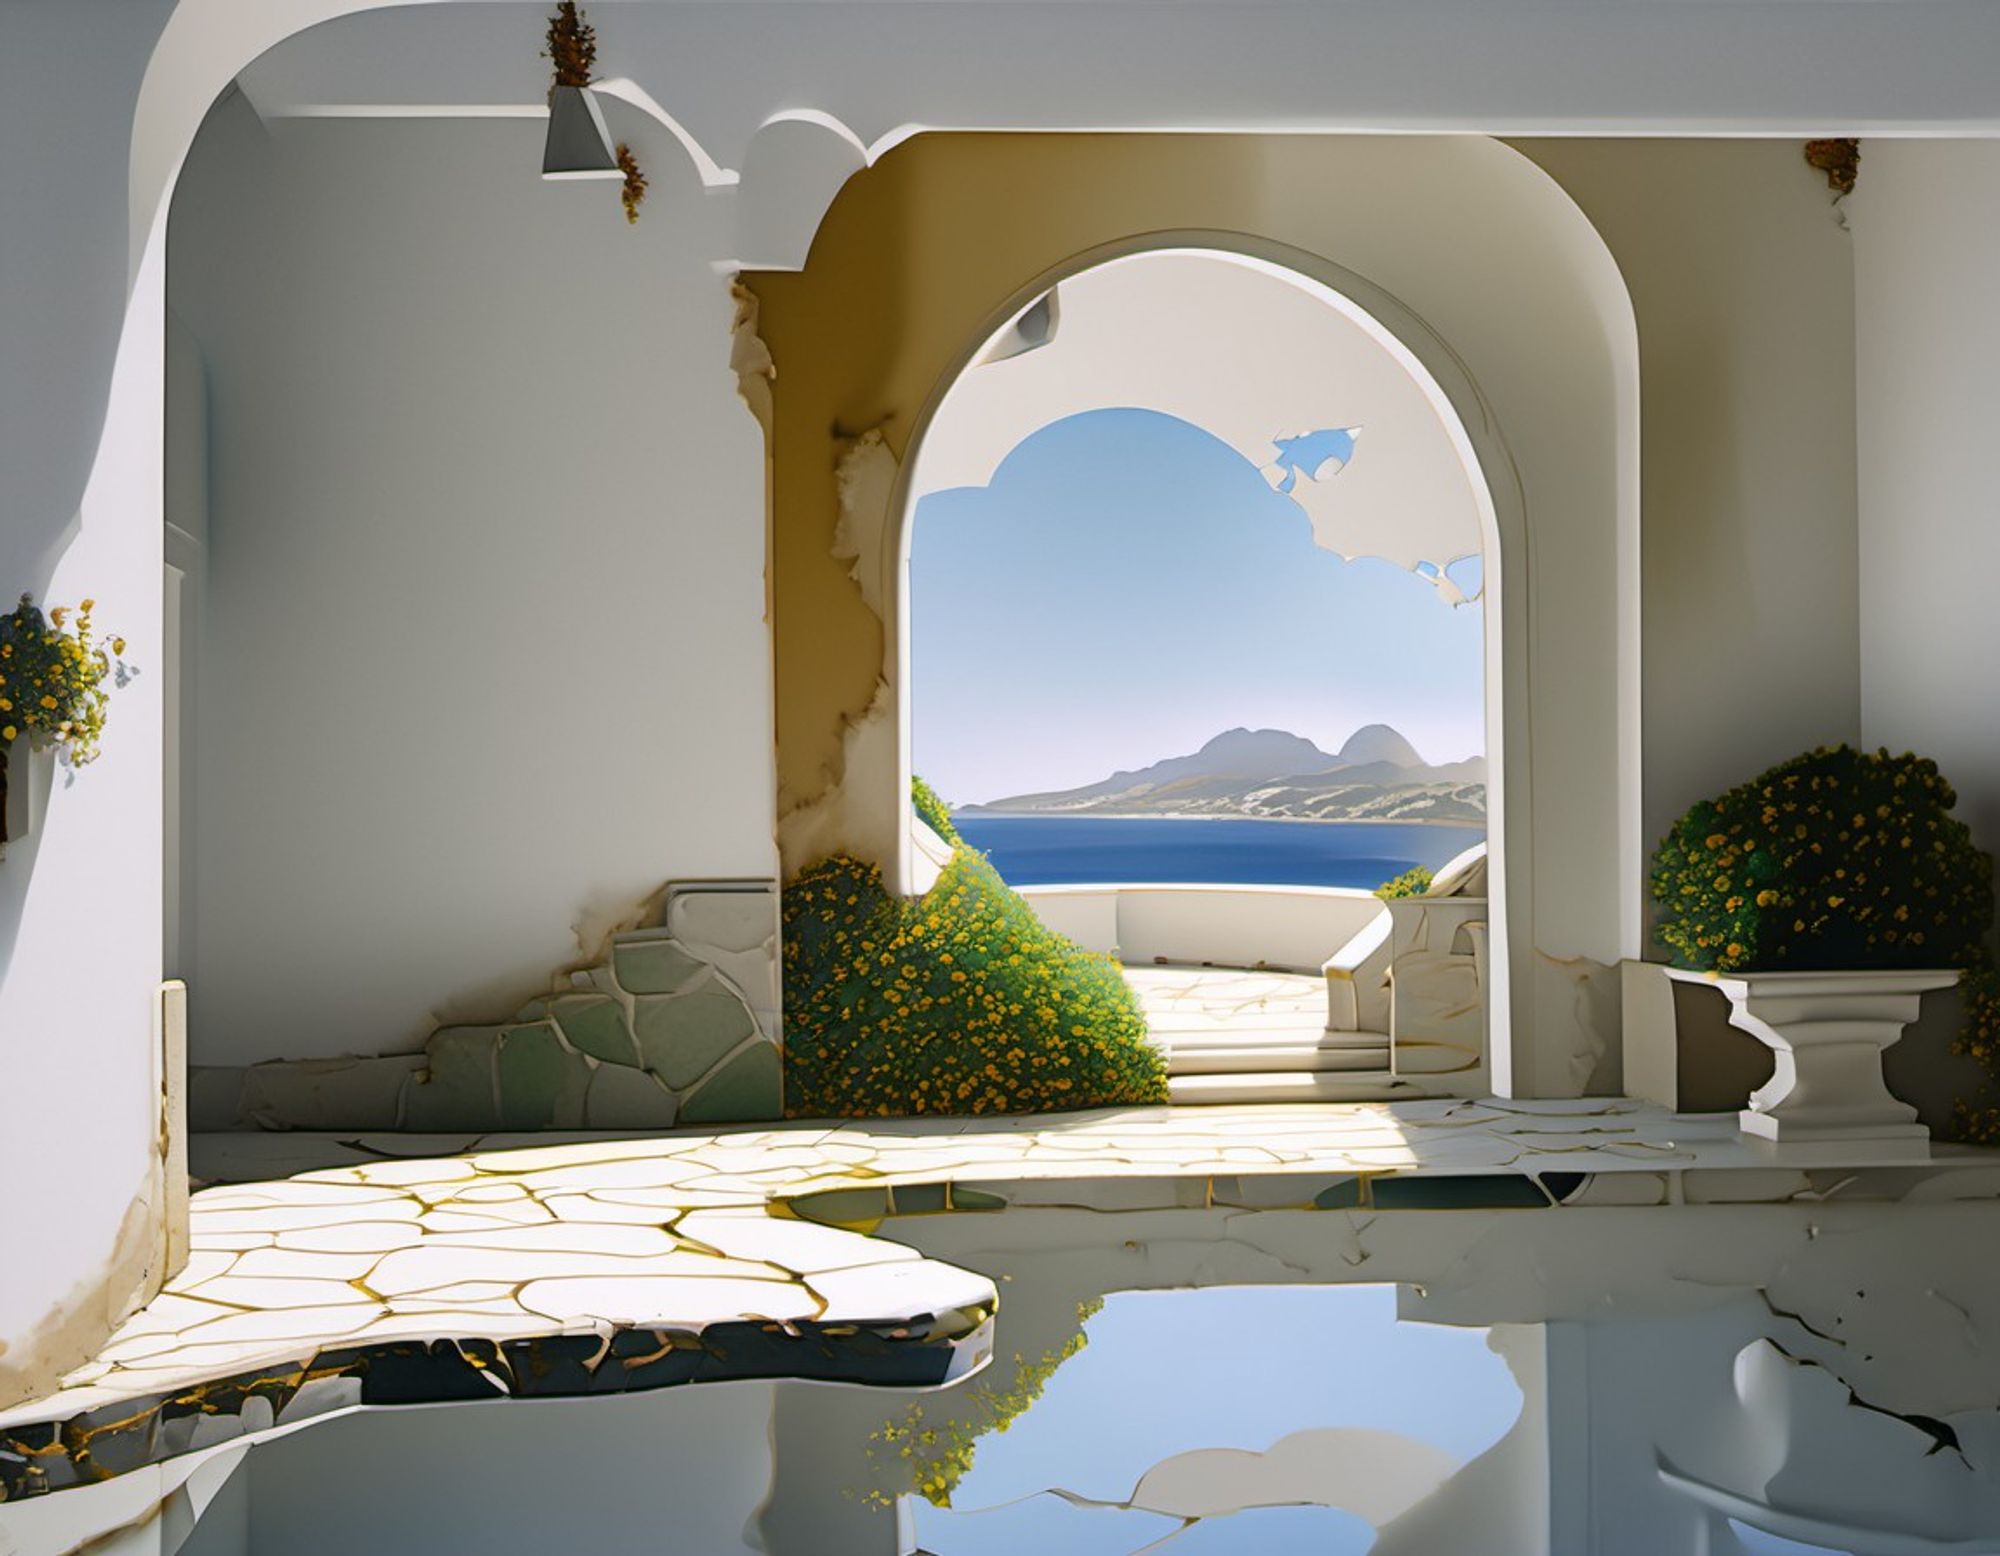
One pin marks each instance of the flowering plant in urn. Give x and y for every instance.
(1837, 861)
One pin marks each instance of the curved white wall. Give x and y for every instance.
(1294, 928)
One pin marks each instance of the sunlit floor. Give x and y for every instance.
(1235, 1035)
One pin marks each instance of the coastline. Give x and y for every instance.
(975, 813)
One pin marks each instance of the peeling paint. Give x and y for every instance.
(749, 358)
(864, 476)
(850, 813)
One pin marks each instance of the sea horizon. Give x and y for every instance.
(1096, 849)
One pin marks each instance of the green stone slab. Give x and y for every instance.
(652, 966)
(683, 1036)
(750, 1087)
(596, 1026)
(458, 1095)
(916, 1199)
(535, 1071)
(843, 1207)
(1344, 1195)
(622, 1098)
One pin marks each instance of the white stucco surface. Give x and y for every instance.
(80, 896)
(483, 659)
(1232, 926)
(1926, 219)
(1741, 281)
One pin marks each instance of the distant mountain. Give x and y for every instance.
(1379, 743)
(1377, 775)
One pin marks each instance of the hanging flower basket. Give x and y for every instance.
(52, 690)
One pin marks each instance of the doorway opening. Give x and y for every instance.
(1197, 636)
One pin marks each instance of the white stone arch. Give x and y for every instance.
(1552, 996)
(1439, 375)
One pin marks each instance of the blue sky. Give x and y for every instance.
(1129, 586)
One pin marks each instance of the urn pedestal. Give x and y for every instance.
(1827, 1031)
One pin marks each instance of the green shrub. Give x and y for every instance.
(959, 1001)
(1836, 859)
(1413, 882)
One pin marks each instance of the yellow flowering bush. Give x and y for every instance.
(959, 1001)
(1836, 859)
(52, 681)
(933, 1458)
(1413, 882)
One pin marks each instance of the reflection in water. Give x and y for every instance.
(1673, 1381)
(1370, 1416)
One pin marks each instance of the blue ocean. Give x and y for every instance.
(1070, 850)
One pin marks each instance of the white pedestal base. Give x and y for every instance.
(1827, 1031)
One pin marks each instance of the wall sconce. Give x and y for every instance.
(578, 144)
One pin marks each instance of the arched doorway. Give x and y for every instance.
(1283, 379)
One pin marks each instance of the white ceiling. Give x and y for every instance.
(882, 68)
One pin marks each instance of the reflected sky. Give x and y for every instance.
(1169, 1372)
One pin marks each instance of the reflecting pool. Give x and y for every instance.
(1693, 1380)
(1808, 1362)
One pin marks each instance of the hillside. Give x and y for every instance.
(1377, 775)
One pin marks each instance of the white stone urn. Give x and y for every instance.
(1828, 1031)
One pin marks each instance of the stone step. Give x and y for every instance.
(1292, 1086)
(1232, 1058)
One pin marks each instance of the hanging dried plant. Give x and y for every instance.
(1840, 160)
(634, 192)
(572, 45)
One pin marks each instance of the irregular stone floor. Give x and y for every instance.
(330, 1272)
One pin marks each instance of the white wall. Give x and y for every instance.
(1926, 218)
(1741, 279)
(80, 897)
(1295, 927)
(482, 654)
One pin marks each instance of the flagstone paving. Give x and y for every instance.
(391, 1269)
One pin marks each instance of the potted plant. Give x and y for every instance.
(52, 693)
(1825, 898)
